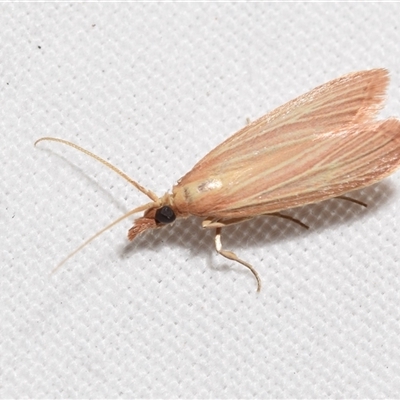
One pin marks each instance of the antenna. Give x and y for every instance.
(145, 191)
(129, 213)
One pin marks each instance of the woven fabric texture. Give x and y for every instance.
(152, 88)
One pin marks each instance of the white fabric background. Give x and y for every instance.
(153, 88)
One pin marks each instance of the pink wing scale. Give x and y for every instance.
(317, 146)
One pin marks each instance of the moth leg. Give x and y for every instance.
(352, 200)
(232, 256)
(297, 221)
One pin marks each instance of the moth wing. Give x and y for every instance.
(318, 146)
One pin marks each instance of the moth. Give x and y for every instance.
(318, 146)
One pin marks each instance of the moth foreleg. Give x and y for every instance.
(232, 256)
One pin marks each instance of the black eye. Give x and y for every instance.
(165, 215)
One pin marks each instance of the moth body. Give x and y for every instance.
(318, 146)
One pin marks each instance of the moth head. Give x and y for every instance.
(160, 214)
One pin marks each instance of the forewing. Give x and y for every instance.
(352, 99)
(317, 146)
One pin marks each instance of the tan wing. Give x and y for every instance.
(317, 146)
